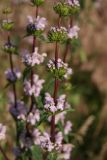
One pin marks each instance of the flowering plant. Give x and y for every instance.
(42, 131)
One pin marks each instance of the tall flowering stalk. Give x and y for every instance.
(12, 74)
(56, 86)
(33, 49)
(72, 30)
(37, 107)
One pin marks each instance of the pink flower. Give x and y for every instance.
(35, 89)
(33, 117)
(12, 75)
(73, 32)
(39, 22)
(73, 2)
(68, 127)
(2, 131)
(33, 59)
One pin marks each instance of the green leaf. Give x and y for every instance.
(26, 72)
(37, 153)
(52, 156)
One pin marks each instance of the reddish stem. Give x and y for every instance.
(56, 86)
(59, 21)
(3, 153)
(37, 11)
(66, 52)
(67, 44)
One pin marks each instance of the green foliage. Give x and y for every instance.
(8, 26)
(52, 156)
(62, 9)
(37, 153)
(57, 36)
(58, 73)
(37, 2)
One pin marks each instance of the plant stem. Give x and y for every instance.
(59, 21)
(12, 69)
(3, 153)
(66, 52)
(32, 71)
(67, 44)
(56, 86)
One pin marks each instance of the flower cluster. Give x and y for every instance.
(73, 32)
(13, 75)
(50, 104)
(57, 34)
(33, 117)
(40, 118)
(67, 7)
(36, 26)
(73, 2)
(10, 48)
(62, 70)
(33, 59)
(7, 24)
(66, 151)
(21, 112)
(45, 142)
(62, 34)
(34, 89)
(37, 2)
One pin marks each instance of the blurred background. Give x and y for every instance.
(86, 90)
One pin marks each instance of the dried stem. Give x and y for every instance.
(4, 154)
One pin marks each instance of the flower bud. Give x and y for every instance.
(10, 48)
(74, 10)
(7, 10)
(31, 30)
(57, 34)
(61, 71)
(36, 26)
(37, 2)
(7, 25)
(62, 9)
